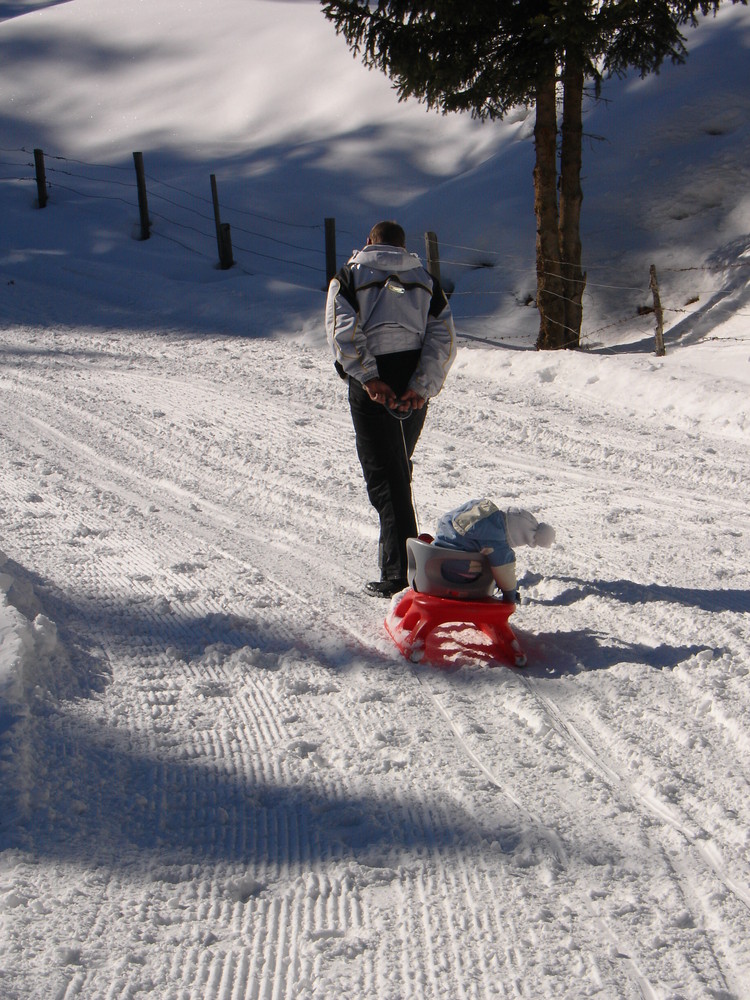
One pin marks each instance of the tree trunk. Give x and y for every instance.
(549, 295)
(571, 196)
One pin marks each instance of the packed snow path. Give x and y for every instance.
(228, 784)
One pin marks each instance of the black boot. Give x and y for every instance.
(385, 588)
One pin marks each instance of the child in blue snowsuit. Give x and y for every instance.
(479, 526)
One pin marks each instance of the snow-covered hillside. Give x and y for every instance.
(219, 778)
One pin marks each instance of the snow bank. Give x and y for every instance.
(674, 389)
(28, 640)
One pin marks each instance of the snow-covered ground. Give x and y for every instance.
(219, 777)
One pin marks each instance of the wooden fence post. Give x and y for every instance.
(433, 254)
(140, 176)
(226, 255)
(330, 231)
(658, 312)
(41, 177)
(223, 232)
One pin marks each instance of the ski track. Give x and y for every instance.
(236, 788)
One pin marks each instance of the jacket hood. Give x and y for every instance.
(386, 258)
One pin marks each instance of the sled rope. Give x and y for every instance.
(408, 472)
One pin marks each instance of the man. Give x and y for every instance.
(391, 331)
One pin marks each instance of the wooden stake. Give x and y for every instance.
(226, 257)
(658, 312)
(330, 231)
(140, 176)
(217, 214)
(433, 254)
(41, 177)
(223, 233)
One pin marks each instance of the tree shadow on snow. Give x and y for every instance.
(105, 796)
(15, 8)
(110, 791)
(156, 627)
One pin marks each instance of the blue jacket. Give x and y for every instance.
(477, 526)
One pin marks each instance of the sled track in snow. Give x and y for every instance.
(554, 836)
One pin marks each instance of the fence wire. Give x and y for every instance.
(192, 227)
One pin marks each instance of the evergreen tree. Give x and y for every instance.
(488, 56)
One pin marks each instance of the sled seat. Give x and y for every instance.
(418, 618)
(443, 572)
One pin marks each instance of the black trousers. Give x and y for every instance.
(385, 445)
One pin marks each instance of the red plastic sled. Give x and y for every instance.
(417, 624)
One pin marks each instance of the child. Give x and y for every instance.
(479, 526)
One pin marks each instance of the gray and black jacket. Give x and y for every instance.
(384, 302)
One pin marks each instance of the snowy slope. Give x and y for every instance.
(219, 778)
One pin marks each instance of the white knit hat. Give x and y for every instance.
(524, 529)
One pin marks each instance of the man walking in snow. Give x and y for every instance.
(391, 331)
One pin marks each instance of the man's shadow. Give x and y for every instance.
(633, 593)
(558, 654)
